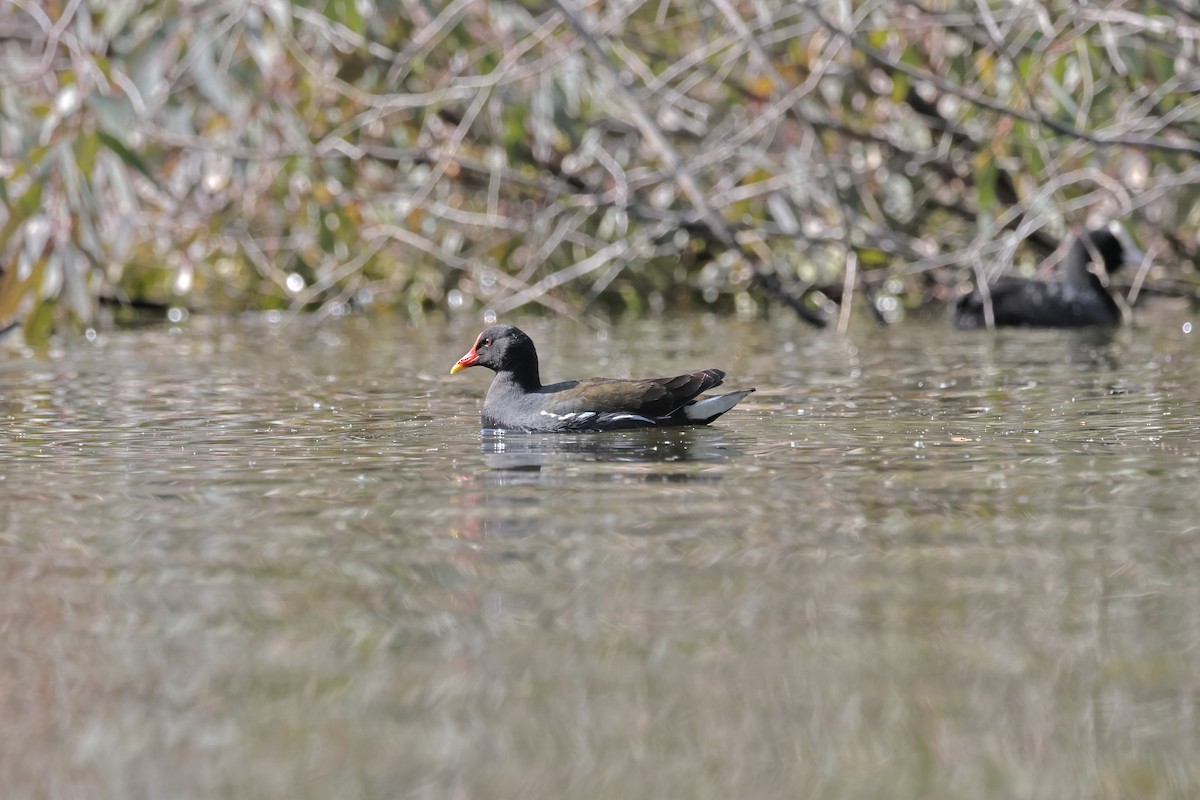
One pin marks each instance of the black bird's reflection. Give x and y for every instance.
(1093, 348)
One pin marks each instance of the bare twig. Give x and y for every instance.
(674, 165)
(848, 282)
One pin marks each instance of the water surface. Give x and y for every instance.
(251, 560)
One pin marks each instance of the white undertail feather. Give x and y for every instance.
(638, 417)
(709, 407)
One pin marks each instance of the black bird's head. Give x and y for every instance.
(1111, 245)
(501, 348)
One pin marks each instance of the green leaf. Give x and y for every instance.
(325, 237)
(130, 158)
(86, 147)
(345, 12)
(22, 210)
(1025, 64)
(31, 159)
(12, 289)
(1058, 67)
(40, 323)
(871, 256)
(985, 181)
(1031, 154)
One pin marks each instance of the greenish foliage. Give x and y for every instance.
(588, 159)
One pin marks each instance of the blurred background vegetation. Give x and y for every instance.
(587, 158)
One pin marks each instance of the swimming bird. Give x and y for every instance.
(517, 400)
(1080, 298)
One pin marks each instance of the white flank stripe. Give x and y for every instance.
(619, 417)
(559, 417)
(710, 407)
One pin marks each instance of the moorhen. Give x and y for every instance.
(1081, 298)
(517, 400)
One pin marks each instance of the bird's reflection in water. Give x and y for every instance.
(521, 467)
(1085, 349)
(1092, 348)
(531, 452)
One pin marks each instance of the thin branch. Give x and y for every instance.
(674, 166)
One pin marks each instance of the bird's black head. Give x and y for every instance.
(1111, 245)
(503, 348)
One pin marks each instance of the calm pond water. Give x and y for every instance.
(277, 561)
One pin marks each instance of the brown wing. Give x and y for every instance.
(652, 397)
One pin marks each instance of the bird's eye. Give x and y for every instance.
(487, 342)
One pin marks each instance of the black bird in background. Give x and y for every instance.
(1080, 297)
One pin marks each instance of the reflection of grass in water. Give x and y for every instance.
(659, 669)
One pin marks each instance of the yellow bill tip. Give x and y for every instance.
(456, 369)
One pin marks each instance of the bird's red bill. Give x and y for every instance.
(469, 360)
